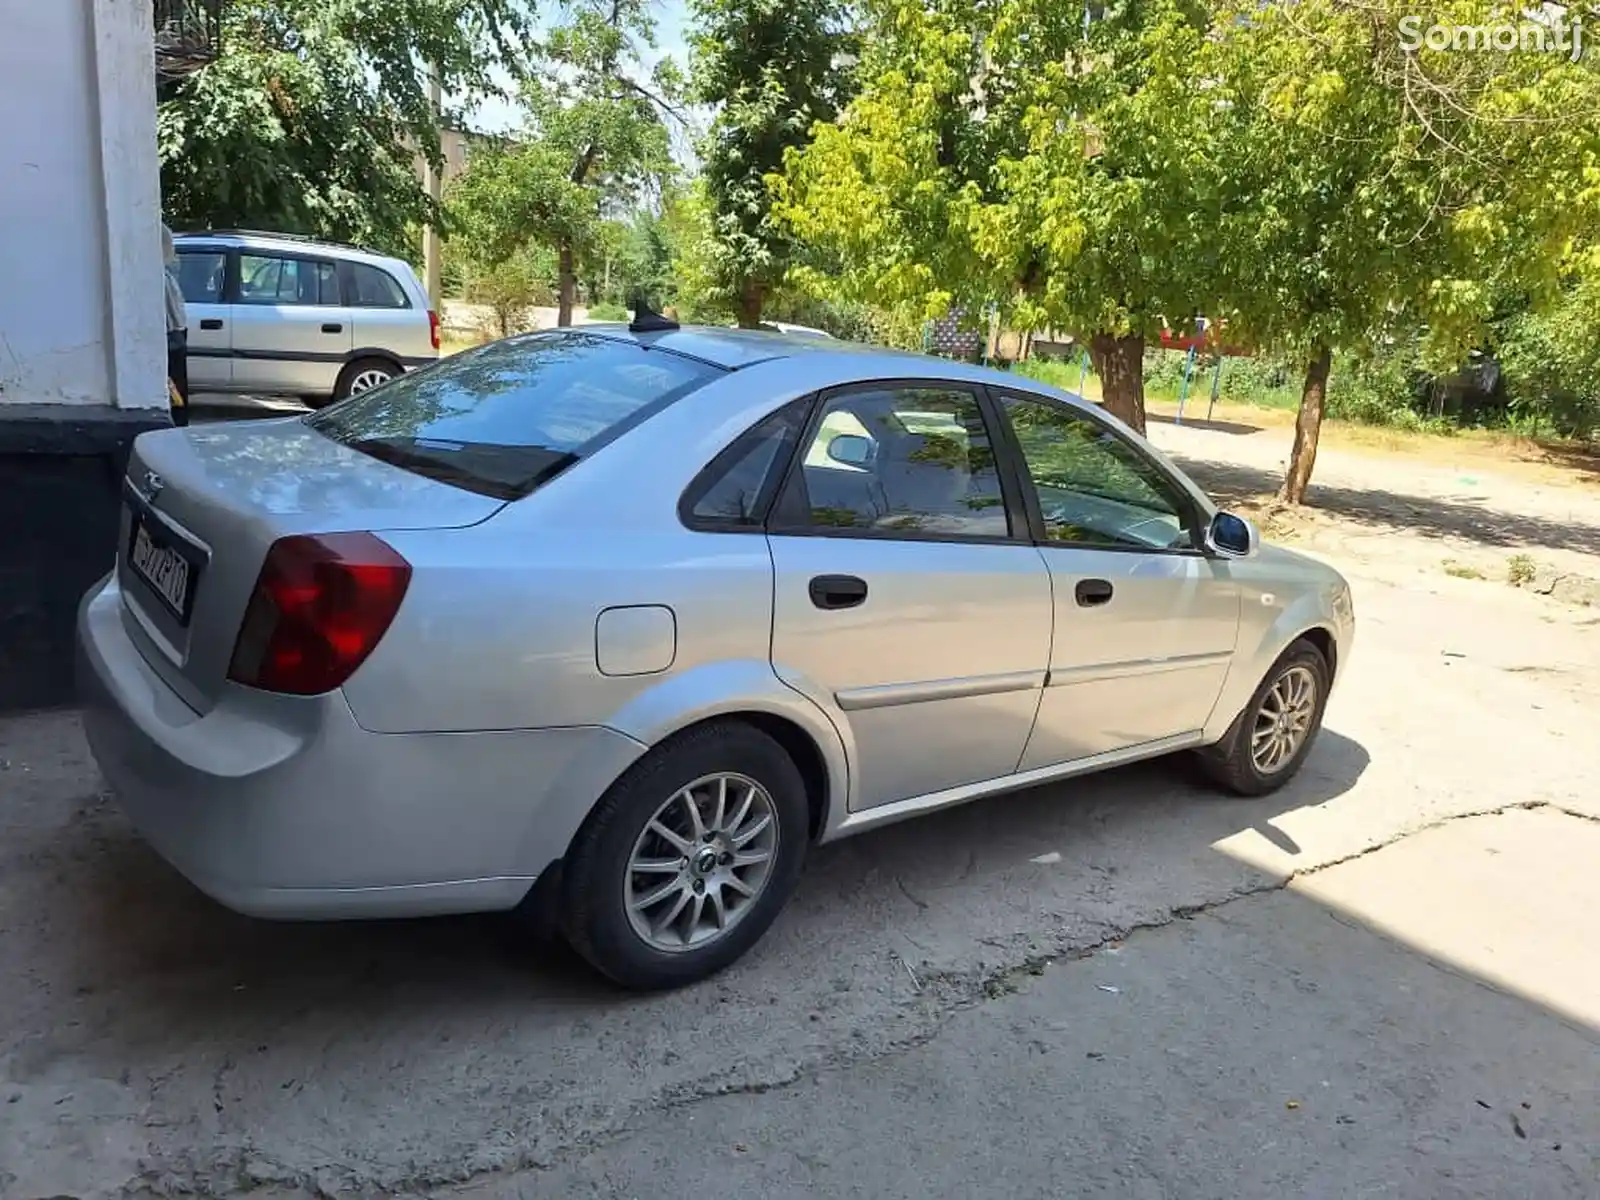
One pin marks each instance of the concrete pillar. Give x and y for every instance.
(130, 184)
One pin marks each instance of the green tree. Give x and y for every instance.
(1376, 190)
(311, 118)
(1013, 153)
(773, 68)
(596, 130)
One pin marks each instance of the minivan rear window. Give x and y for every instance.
(501, 419)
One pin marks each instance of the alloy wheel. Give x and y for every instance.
(701, 862)
(1283, 720)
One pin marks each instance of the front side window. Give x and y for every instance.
(1094, 488)
(374, 288)
(201, 275)
(502, 418)
(903, 460)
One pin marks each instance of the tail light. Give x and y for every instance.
(433, 327)
(321, 605)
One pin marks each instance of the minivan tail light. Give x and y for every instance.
(321, 605)
(433, 327)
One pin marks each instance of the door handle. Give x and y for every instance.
(838, 591)
(211, 323)
(333, 327)
(1092, 592)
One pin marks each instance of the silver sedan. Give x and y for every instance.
(610, 626)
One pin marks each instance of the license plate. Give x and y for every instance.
(166, 571)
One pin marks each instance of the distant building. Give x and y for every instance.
(457, 146)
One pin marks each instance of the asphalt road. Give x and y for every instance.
(931, 1017)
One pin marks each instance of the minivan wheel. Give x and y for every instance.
(362, 376)
(1269, 741)
(688, 858)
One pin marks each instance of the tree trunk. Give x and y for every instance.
(752, 298)
(1313, 397)
(1119, 361)
(567, 287)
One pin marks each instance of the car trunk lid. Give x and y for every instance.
(202, 506)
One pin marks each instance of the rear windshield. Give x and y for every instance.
(503, 418)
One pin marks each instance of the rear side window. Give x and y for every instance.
(737, 487)
(374, 288)
(272, 279)
(503, 418)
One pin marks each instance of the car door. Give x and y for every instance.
(907, 600)
(291, 333)
(1145, 623)
(203, 280)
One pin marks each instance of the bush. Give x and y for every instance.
(607, 311)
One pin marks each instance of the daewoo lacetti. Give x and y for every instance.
(619, 621)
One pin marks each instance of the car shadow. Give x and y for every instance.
(141, 928)
(240, 1041)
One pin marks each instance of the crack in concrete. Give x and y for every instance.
(943, 995)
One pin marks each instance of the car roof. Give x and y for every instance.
(287, 243)
(733, 349)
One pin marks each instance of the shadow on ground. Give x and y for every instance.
(1192, 421)
(1379, 510)
(147, 929)
(405, 1054)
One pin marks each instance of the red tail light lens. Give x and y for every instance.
(321, 605)
(433, 327)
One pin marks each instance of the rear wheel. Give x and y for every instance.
(362, 376)
(1271, 738)
(688, 858)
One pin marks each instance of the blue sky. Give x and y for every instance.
(497, 116)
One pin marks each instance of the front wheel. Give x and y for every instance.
(1268, 743)
(688, 858)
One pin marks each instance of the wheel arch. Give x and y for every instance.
(748, 691)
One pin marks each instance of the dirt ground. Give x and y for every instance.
(1406, 505)
(1381, 981)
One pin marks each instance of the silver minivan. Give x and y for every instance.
(273, 313)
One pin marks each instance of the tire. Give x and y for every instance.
(1231, 763)
(360, 376)
(607, 913)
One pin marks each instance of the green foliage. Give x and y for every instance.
(512, 285)
(607, 311)
(1552, 365)
(596, 136)
(774, 68)
(1373, 191)
(311, 118)
(1003, 153)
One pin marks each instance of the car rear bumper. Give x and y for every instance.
(285, 807)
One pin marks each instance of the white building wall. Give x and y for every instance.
(81, 317)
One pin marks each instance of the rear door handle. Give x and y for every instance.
(1092, 592)
(211, 323)
(838, 591)
(333, 327)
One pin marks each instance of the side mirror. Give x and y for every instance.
(1232, 536)
(851, 449)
